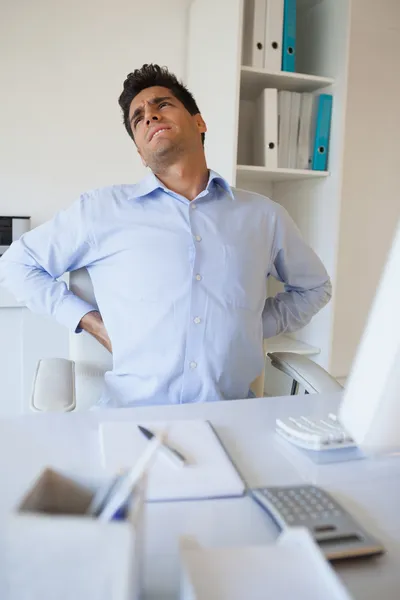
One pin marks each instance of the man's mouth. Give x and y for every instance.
(153, 135)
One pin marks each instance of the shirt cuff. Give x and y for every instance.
(270, 324)
(72, 310)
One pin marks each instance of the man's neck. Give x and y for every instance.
(188, 180)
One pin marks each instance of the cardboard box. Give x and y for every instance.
(54, 551)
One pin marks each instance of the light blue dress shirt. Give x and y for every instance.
(181, 285)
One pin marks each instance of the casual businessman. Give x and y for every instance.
(178, 261)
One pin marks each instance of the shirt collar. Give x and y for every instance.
(151, 182)
(215, 178)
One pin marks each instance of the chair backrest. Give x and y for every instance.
(91, 359)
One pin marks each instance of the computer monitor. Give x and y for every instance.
(370, 410)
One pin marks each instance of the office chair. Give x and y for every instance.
(62, 385)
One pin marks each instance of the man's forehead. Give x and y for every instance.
(148, 95)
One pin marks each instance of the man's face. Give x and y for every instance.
(162, 127)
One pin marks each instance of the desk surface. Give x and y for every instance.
(369, 489)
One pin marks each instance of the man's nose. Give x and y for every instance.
(151, 115)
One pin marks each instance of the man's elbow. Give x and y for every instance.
(326, 293)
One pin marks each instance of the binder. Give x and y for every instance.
(266, 129)
(284, 107)
(289, 36)
(304, 144)
(273, 35)
(254, 33)
(322, 132)
(294, 129)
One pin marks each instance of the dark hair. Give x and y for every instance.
(150, 76)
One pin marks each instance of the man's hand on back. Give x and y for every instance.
(93, 324)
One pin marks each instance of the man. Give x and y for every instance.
(178, 262)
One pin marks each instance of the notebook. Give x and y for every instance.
(210, 473)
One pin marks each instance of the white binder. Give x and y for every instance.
(254, 33)
(266, 129)
(305, 142)
(294, 129)
(284, 105)
(273, 35)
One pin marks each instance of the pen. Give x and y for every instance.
(101, 497)
(122, 491)
(174, 456)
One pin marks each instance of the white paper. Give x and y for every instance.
(293, 568)
(294, 129)
(209, 474)
(304, 145)
(284, 107)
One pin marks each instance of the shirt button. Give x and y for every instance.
(198, 238)
(193, 364)
(197, 320)
(194, 206)
(198, 277)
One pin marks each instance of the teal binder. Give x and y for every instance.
(322, 132)
(289, 36)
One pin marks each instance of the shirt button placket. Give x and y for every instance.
(191, 382)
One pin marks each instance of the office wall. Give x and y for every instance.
(62, 66)
(370, 202)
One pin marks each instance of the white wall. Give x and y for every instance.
(62, 67)
(370, 201)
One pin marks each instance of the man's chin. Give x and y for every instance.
(164, 155)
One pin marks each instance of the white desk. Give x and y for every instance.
(370, 490)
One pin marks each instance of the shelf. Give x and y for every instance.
(262, 174)
(284, 343)
(253, 81)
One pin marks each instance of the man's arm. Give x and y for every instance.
(307, 284)
(93, 324)
(30, 267)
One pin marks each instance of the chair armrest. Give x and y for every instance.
(300, 368)
(54, 386)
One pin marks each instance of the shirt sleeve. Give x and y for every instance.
(30, 267)
(307, 284)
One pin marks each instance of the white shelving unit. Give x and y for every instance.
(225, 90)
(264, 175)
(253, 81)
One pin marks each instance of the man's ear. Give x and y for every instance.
(201, 125)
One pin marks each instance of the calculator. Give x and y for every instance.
(332, 527)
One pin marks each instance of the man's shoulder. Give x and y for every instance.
(256, 200)
(117, 192)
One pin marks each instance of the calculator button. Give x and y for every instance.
(290, 519)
